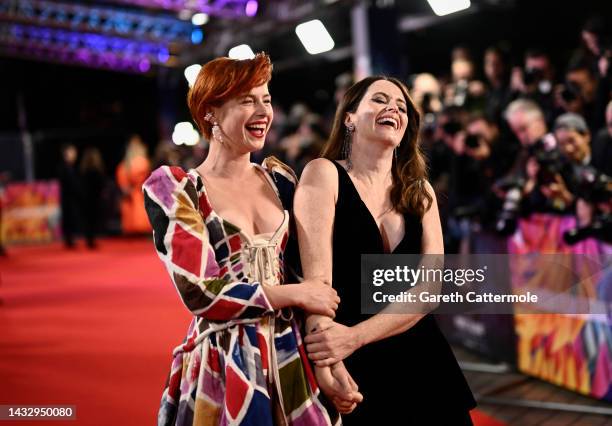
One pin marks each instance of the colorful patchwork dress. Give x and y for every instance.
(241, 362)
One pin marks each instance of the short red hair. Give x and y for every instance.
(222, 79)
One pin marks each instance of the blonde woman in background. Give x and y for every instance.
(131, 174)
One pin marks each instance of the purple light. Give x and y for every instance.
(251, 8)
(163, 56)
(83, 55)
(144, 65)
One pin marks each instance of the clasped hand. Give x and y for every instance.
(338, 385)
(331, 344)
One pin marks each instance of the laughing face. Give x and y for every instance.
(381, 114)
(245, 120)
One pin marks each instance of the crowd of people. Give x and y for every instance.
(502, 142)
(522, 141)
(89, 198)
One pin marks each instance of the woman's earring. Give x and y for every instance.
(347, 146)
(216, 130)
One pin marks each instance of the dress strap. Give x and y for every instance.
(345, 185)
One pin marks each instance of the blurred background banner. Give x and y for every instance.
(31, 212)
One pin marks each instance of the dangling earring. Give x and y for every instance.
(395, 153)
(216, 130)
(347, 146)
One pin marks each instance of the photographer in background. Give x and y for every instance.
(498, 83)
(597, 40)
(493, 157)
(601, 146)
(535, 81)
(425, 91)
(476, 159)
(579, 94)
(522, 189)
(464, 91)
(589, 186)
(573, 138)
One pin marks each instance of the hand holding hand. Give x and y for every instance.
(332, 344)
(318, 297)
(337, 384)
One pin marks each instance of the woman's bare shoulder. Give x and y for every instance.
(320, 171)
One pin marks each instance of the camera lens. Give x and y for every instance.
(472, 141)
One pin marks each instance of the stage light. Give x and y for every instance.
(191, 73)
(314, 37)
(199, 19)
(185, 134)
(446, 7)
(185, 14)
(163, 56)
(242, 51)
(251, 8)
(197, 36)
(144, 65)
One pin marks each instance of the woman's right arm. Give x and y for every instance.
(182, 242)
(314, 209)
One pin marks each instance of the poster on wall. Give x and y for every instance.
(31, 212)
(572, 351)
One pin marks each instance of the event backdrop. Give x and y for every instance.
(573, 351)
(31, 212)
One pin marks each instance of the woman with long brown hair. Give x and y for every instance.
(369, 194)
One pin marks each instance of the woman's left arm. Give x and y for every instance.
(336, 342)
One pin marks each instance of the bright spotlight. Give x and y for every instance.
(191, 73)
(241, 52)
(314, 37)
(251, 8)
(199, 19)
(185, 134)
(446, 7)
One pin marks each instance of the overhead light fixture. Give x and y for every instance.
(314, 37)
(185, 134)
(242, 51)
(251, 8)
(446, 7)
(199, 19)
(191, 73)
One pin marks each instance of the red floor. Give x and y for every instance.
(91, 329)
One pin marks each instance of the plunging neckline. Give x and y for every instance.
(250, 239)
(371, 216)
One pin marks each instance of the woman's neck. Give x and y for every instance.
(371, 161)
(224, 162)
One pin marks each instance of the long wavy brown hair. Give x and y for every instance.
(409, 171)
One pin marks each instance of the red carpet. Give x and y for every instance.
(91, 329)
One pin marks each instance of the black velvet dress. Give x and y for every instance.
(409, 379)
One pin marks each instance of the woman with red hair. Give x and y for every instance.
(222, 231)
